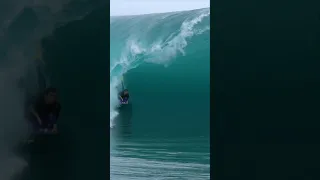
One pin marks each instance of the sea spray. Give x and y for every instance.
(13, 125)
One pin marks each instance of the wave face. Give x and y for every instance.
(164, 60)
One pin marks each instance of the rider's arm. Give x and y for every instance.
(55, 127)
(34, 112)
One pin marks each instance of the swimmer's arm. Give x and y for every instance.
(35, 114)
(55, 128)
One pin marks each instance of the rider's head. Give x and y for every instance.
(50, 95)
(125, 91)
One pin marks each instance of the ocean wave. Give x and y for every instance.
(157, 39)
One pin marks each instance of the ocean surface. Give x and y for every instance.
(164, 62)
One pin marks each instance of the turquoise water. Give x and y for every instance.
(165, 62)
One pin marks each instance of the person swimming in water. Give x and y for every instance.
(124, 96)
(45, 111)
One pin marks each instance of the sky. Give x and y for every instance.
(134, 7)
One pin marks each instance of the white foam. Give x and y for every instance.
(13, 125)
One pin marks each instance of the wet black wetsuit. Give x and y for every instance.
(48, 113)
(125, 97)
